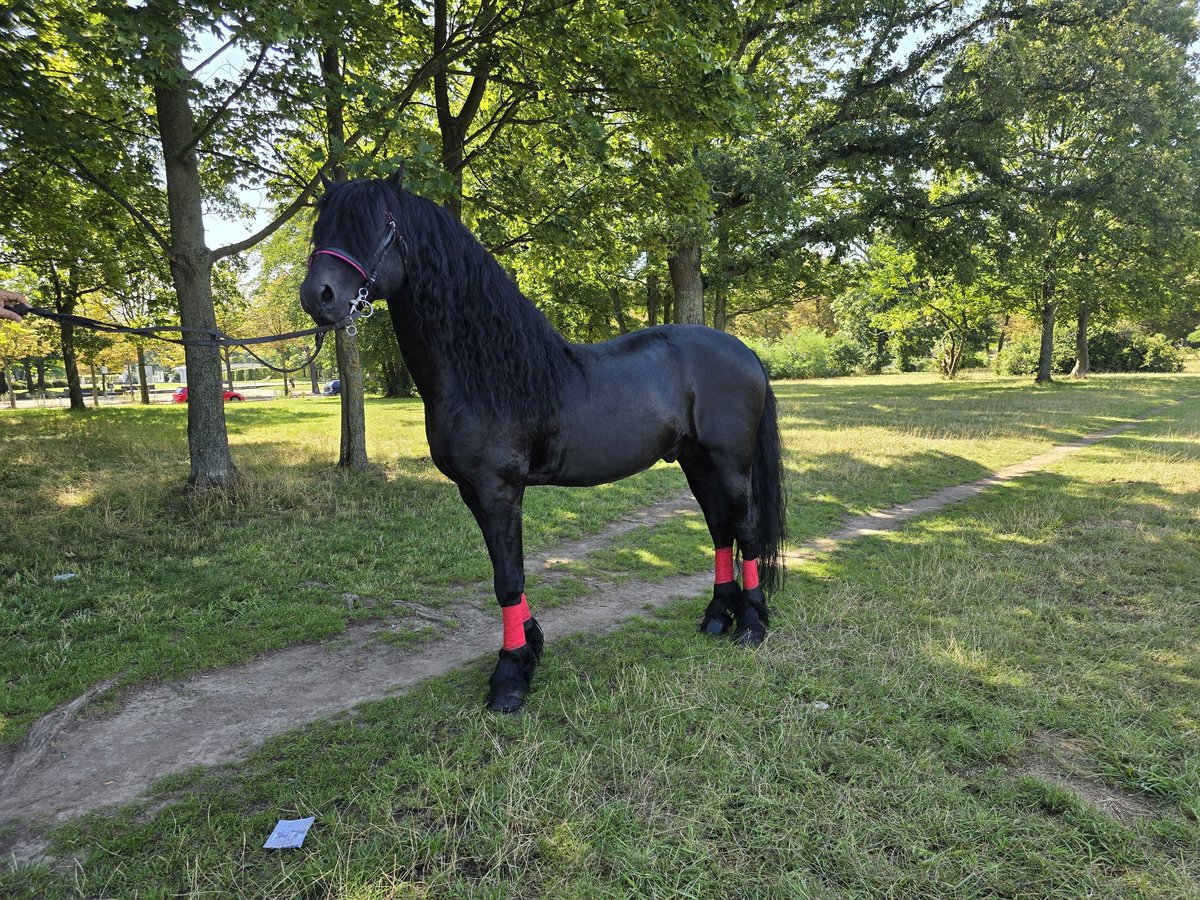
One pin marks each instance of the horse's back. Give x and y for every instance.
(641, 396)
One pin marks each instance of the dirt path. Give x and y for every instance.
(69, 765)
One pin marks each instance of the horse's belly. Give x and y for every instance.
(599, 449)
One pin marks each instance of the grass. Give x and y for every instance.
(878, 745)
(169, 584)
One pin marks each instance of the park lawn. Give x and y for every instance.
(168, 584)
(923, 722)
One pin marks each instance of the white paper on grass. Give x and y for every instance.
(289, 834)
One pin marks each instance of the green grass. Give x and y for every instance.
(169, 584)
(876, 746)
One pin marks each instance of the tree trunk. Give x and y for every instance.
(95, 389)
(1083, 363)
(720, 296)
(454, 127)
(614, 294)
(141, 358)
(27, 366)
(191, 272)
(353, 453)
(312, 377)
(228, 354)
(12, 392)
(668, 311)
(354, 425)
(40, 365)
(1000, 336)
(652, 298)
(721, 289)
(1046, 355)
(688, 284)
(64, 302)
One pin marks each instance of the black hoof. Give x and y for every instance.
(718, 616)
(510, 681)
(747, 636)
(755, 600)
(716, 625)
(751, 629)
(533, 637)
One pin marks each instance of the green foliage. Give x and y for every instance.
(1111, 348)
(809, 353)
(1124, 348)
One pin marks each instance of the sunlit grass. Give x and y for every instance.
(100, 495)
(875, 746)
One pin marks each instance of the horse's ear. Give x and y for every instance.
(396, 180)
(326, 184)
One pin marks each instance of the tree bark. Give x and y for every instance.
(1000, 336)
(652, 298)
(1083, 363)
(40, 365)
(353, 452)
(1049, 306)
(141, 359)
(354, 426)
(64, 302)
(688, 284)
(720, 297)
(228, 367)
(11, 390)
(312, 377)
(454, 127)
(191, 272)
(614, 294)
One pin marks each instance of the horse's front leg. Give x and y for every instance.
(497, 509)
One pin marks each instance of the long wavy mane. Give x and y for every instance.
(456, 298)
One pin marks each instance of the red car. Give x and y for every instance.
(180, 396)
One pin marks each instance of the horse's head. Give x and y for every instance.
(355, 247)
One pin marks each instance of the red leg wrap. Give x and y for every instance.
(514, 624)
(724, 565)
(749, 574)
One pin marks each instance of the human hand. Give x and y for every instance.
(11, 298)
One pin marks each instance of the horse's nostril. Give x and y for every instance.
(326, 295)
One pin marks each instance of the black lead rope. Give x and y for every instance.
(218, 340)
(213, 338)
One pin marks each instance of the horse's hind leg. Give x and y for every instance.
(498, 512)
(752, 614)
(709, 491)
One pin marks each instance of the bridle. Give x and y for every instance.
(361, 306)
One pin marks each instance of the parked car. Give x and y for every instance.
(181, 395)
(333, 388)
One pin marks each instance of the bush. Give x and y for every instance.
(1110, 349)
(809, 353)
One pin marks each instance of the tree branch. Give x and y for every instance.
(263, 233)
(88, 175)
(220, 110)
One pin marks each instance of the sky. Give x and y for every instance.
(220, 231)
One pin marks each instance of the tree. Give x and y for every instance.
(1083, 165)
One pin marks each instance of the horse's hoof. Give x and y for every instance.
(510, 681)
(506, 699)
(749, 636)
(715, 625)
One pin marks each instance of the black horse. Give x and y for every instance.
(510, 403)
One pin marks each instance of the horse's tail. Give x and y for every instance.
(770, 496)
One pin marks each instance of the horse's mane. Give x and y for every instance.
(462, 305)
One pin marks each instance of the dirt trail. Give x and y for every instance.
(70, 765)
